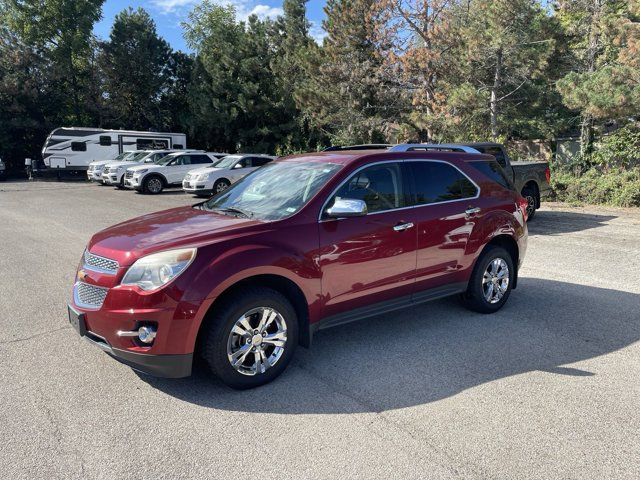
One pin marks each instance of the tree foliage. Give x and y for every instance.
(387, 70)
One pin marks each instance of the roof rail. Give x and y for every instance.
(409, 147)
(366, 146)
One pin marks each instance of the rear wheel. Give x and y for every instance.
(491, 281)
(250, 338)
(152, 185)
(532, 201)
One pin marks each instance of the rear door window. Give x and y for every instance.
(436, 182)
(259, 161)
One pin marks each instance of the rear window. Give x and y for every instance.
(494, 171)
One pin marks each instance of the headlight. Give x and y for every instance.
(156, 270)
(203, 176)
(120, 168)
(139, 172)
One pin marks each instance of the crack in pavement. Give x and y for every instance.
(36, 335)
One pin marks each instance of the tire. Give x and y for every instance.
(532, 201)
(152, 185)
(476, 297)
(220, 186)
(221, 338)
(120, 184)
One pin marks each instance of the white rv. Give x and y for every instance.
(75, 148)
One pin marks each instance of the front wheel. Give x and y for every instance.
(152, 185)
(250, 338)
(220, 186)
(491, 281)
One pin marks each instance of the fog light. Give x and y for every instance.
(146, 334)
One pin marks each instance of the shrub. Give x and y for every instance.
(616, 187)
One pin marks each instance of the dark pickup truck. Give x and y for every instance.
(531, 179)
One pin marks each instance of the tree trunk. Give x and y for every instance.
(586, 126)
(493, 104)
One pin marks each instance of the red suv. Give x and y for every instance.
(306, 242)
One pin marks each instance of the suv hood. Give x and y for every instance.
(200, 170)
(175, 228)
(148, 166)
(99, 163)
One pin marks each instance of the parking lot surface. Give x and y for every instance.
(549, 387)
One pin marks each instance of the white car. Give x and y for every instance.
(94, 171)
(166, 172)
(113, 172)
(213, 179)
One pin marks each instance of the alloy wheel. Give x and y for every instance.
(154, 185)
(257, 341)
(495, 280)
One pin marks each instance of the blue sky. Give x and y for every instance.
(169, 13)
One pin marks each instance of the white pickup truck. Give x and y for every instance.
(167, 172)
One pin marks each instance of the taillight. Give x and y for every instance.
(523, 204)
(547, 173)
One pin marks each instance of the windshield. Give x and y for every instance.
(122, 156)
(228, 161)
(274, 191)
(165, 160)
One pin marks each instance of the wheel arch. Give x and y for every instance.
(156, 174)
(510, 245)
(283, 285)
(533, 185)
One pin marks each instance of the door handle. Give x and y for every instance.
(472, 210)
(403, 226)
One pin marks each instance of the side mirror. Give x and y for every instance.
(347, 207)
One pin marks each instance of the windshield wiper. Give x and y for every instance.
(236, 210)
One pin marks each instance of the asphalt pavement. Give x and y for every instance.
(549, 387)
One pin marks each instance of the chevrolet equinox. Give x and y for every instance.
(303, 243)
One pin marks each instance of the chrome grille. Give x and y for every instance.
(99, 263)
(106, 170)
(89, 295)
(129, 174)
(187, 176)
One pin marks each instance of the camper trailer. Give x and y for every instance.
(75, 148)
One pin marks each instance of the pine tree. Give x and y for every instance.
(135, 62)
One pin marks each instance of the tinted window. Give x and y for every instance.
(105, 140)
(151, 144)
(496, 152)
(439, 182)
(78, 146)
(380, 186)
(494, 172)
(199, 159)
(183, 160)
(259, 161)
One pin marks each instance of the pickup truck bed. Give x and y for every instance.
(531, 179)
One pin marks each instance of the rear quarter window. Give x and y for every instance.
(494, 171)
(436, 182)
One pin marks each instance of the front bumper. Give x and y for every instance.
(95, 175)
(133, 182)
(110, 178)
(197, 187)
(159, 365)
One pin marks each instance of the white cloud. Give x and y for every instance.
(317, 32)
(173, 6)
(244, 8)
(262, 11)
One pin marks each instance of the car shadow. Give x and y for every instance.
(553, 222)
(434, 351)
